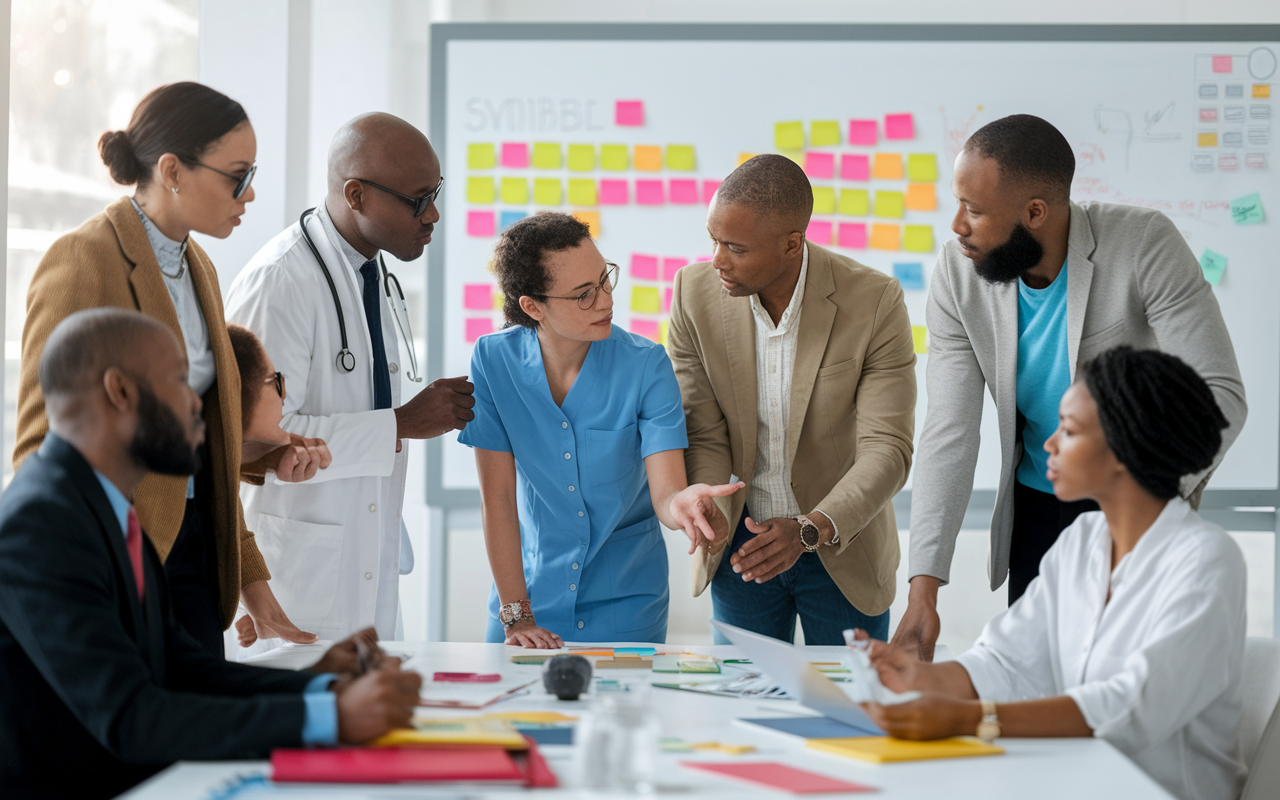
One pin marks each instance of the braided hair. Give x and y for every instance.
(1158, 415)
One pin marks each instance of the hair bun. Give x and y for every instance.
(117, 153)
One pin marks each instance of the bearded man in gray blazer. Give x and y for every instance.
(1035, 286)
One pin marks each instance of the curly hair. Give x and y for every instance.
(251, 359)
(1158, 415)
(518, 263)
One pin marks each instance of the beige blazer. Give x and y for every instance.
(108, 262)
(852, 413)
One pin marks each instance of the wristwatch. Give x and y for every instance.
(989, 727)
(511, 613)
(809, 535)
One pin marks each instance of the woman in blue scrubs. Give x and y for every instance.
(579, 441)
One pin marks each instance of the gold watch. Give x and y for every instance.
(989, 727)
(809, 534)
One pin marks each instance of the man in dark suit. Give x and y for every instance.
(102, 687)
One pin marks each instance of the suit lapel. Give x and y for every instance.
(148, 284)
(740, 348)
(817, 315)
(1080, 246)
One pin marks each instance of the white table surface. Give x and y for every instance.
(1041, 768)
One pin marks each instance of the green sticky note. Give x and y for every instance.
(1247, 210)
(515, 191)
(582, 157)
(645, 299)
(889, 204)
(1214, 265)
(917, 238)
(919, 340)
(824, 132)
(546, 155)
(613, 157)
(922, 167)
(582, 192)
(546, 191)
(788, 135)
(479, 190)
(824, 200)
(680, 156)
(481, 156)
(855, 202)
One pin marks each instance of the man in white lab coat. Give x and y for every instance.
(335, 544)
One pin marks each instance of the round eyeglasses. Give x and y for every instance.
(587, 299)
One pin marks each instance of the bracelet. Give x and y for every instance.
(511, 613)
(989, 727)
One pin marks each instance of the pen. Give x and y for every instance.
(362, 655)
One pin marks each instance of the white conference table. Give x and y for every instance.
(1043, 768)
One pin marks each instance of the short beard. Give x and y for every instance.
(159, 443)
(1009, 261)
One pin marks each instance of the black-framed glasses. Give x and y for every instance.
(278, 380)
(587, 299)
(242, 181)
(420, 204)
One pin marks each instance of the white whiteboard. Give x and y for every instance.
(1131, 109)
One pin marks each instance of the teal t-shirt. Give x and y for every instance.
(1044, 373)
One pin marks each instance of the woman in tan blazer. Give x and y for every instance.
(190, 151)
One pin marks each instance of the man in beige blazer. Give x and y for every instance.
(797, 374)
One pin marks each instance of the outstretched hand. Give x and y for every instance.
(699, 517)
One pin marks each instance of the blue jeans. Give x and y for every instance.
(770, 608)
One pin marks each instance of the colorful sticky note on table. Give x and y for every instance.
(648, 328)
(884, 236)
(480, 156)
(910, 276)
(922, 167)
(515, 155)
(1261, 91)
(505, 220)
(582, 192)
(922, 197)
(546, 191)
(889, 204)
(477, 296)
(613, 157)
(709, 189)
(852, 235)
(683, 190)
(480, 190)
(855, 168)
(477, 327)
(670, 266)
(629, 113)
(681, 157)
(648, 157)
(649, 193)
(546, 155)
(824, 132)
(479, 223)
(918, 238)
(1214, 265)
(613, 192)
(824, 200)
(1222, 64)
(645, 299)
(515, 191)
(591, 219)
(788, 135)
(819, 165)
(862, 131)
(887, 167)
(819, 232)
(644, 267)
(1207, 139)
(582, 157)
(899, 126)
(1247, 210)
(919, 339)
(855, 202)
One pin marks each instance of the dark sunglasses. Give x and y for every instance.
(420, 204)
(242, 181)
(278, 380)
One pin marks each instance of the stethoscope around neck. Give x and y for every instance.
(346, 360)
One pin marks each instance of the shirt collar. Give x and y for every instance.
(793, 308)
(352, 255)
(1167, 521)
(119, 503)
(169, 254)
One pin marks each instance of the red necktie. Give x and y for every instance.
(133, 543)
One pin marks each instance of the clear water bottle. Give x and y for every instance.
(618, 738)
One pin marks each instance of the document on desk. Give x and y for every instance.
(448, 694)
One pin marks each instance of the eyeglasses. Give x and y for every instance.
(587, 299)
(420, 204)
(278, 380)
(242, 181)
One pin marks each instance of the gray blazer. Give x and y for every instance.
(1133, 280)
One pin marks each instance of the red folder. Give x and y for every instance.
(487, 764)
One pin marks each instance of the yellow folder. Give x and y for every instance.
(885, 749)
(464, 730)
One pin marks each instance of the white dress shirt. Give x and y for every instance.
(1156, 669)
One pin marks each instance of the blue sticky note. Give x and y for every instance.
(911, 275)
(634, 651)
(509, 218)
(1214, 265)
(1247, 210)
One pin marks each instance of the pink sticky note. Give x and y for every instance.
(1222, 64)
(702, 259)
(818, 232)
(515, 155)
(478, 296)
(644, 267)
(899, 126)
(480, 223)
(855, 168)
(628, 112)
(862, 131)
(666, 300)
(670, 266)
(708, 189)
(647, 328)
(613, 193)
(684, 191)
(649, 193)
(852, 235)
(819, 165)
(477, 327)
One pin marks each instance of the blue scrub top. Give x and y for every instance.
(594, 559)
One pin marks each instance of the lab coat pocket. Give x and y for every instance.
(611, 457)
(304, 559)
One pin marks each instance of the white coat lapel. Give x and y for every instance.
(1080, 246)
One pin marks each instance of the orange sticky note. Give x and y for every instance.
(887, 166)
(648, 157)
(592, 220)
(745, 157)
(885, 237)
(1208, 139)
(921, 197)
(1261, 91)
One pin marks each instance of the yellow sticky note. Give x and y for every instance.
(481, 156)
(884, 237)
(745, 157)
(1261, 91)
(889, 204)
(1208, 139)
(614, 157)
(795, 155)
(824, 132)
(922, 197)
(887, 166)
(648, 157)
(546, 191)
(855, 202)
(922, 167)
(680, 156)
(918, 334)
(824, 200)
(918, 238)
(662, 332)
(498, 299)
(515, 191)
(788, 135)
(645, 299)
(582, 157)
(479, 190)
(592, 221)
(582, 192)
(546, 155)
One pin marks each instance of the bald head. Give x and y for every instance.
(88, 343)
(773, 186)
(375, 147)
